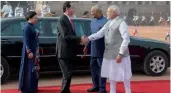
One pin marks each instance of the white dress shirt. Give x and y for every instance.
(7, 9)
(67, 16)
(161, 18)
(152, 18)
(123, 28)
(19, 11)
(168, 19)
(143, 18)
(137, 17)
(45, 9)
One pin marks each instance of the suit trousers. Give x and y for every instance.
(98, 81)
(66, 68)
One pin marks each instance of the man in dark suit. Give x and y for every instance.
(66, 42)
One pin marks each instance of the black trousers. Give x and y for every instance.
(66, 68)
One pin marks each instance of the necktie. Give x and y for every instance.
(72, 24)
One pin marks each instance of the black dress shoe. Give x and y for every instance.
(93, 90)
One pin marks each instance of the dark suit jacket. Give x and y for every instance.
(67, 41)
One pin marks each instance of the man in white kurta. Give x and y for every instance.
(19, 12)
(137, 18)
(45, 9)
(116, 64)
(7, 9)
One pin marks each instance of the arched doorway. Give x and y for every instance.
(131, 12)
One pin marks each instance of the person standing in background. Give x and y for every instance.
(167, 35)
(97, 50)
(19, 12)
(45, 9)
(7, 10)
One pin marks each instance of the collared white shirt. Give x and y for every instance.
(19, 11)
(137, 17)
(168, 18)
(45, 9)
(161, 18)
(123, 28)
(143, 18)
(67, 16)
(152, 18)
(7, 9)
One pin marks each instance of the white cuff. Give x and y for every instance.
(89, 38)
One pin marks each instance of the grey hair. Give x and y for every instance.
(98, 8)
(116, 9)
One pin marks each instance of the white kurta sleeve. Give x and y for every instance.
(100, 33)
(49, 9)
(15, 11)
(125, 35)
(3, 9)
(22, 12)
(10, 10)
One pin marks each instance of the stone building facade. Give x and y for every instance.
(126, 7)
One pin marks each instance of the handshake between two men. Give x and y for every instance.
(84, 40)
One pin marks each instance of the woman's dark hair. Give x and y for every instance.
(85, 13)
(66, 5)
(30, 14)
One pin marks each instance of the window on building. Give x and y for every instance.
(139, 2)
(109, 2)
(74, 1)
(94, 1)
(153, 2)
(167, 2)
(123, 2)
(132, 2)
(146, 2)
(116, 2)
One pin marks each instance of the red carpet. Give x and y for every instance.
(161, 86)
